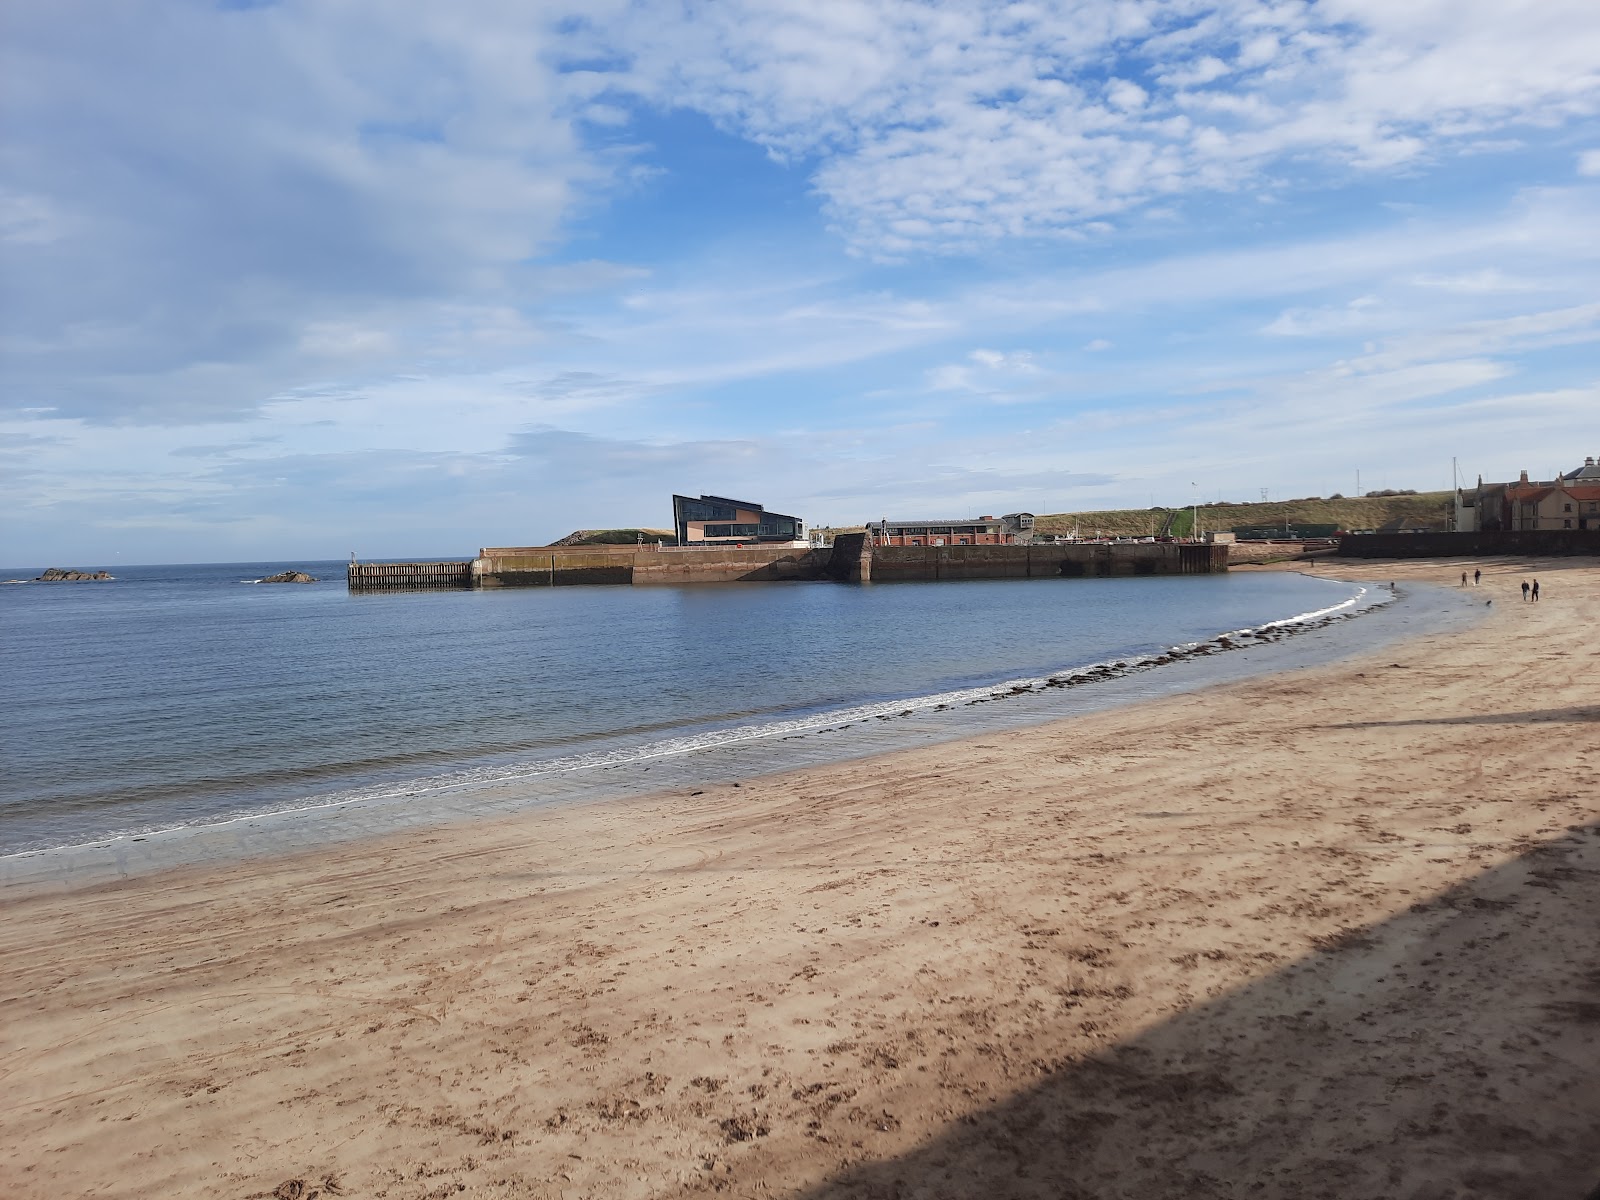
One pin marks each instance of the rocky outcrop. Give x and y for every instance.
(289, 577)
(61, 574)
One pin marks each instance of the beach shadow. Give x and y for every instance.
(1452, 1051)
(1582, 712)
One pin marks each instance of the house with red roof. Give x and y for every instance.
(1569, 501)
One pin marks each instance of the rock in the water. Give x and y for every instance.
(289, 577)
(61, 574)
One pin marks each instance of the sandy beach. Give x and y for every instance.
(1330, 933)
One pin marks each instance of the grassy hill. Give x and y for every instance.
(616, 537)
(1354, 512)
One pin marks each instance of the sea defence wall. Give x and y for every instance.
(547, 566)
(1535, 542)
(850, 560)
(553, 566)
(1074, 560)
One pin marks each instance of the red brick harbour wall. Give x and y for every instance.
(1540, 542)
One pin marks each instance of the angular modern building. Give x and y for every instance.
(717, 520)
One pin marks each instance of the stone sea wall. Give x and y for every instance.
(848, 560)
(1542, 542)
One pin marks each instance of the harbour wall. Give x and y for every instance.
(559, 566)
(1537, 542)
(1075, 560)
(848, 560)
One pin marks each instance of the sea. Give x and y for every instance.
(175, 697)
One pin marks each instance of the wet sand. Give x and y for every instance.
(1334, 932)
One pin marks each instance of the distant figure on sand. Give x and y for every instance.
(1477, 578)
(1463, 579)
(1536, 591)
(1524, 591)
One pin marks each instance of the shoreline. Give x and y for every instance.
(340, 817)
(1329, 929)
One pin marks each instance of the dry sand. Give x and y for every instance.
(1332, 933)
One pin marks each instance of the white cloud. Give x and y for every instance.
(1482, 282)
(257, 191)
(1589, 163)
(1364, 312)
(1126, 95)
(940, 127)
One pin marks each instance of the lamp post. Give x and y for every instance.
(1194, 513)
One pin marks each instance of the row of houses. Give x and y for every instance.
(1569, 501)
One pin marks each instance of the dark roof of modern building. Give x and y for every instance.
(721, 500)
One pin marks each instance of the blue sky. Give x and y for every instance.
(283, 280)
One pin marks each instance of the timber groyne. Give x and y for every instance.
(409, 577)
(851, 559)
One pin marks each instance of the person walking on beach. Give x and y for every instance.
(1536, 591)
(1477, 578)
(1524, 591)
(1463, 579)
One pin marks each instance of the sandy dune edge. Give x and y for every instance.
(1333, 933)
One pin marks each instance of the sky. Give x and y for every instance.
(292, 280)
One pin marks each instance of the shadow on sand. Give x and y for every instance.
(1452, 1051)
(1582, 712)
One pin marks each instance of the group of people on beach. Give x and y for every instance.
(1530, 591)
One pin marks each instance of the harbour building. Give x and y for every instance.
(1011, 529)
(718, 520)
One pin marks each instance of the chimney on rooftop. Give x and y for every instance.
(1524, 478)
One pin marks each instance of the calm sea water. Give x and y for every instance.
(180, 695)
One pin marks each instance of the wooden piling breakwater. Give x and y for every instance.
(407, 577)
